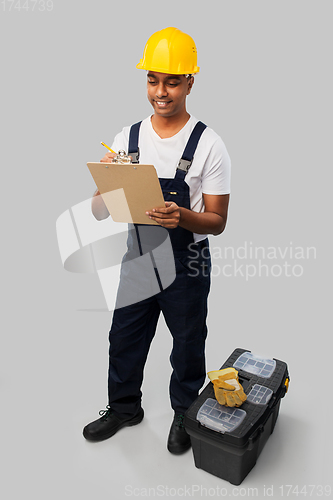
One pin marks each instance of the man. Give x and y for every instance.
(193, 167)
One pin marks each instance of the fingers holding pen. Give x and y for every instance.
(108, 157)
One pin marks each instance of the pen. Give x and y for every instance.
(103, 144)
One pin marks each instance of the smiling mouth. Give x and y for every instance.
(162, 104)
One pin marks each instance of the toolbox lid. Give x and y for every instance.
(255, 364)
(220, 418)
(259, 395)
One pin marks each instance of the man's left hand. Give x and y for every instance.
(168, 216)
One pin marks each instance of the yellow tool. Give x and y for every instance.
(228, 391)
(107, 147)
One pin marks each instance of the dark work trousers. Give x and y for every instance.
(184, 307)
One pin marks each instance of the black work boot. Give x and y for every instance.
(178, 441)
(109, 424)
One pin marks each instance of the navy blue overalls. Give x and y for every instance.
(183, 304)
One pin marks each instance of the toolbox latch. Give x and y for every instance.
(286, 384)
(285, 387)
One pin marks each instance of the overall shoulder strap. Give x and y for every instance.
(186, 160)
(133, 148)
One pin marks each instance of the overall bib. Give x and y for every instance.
(183, 304)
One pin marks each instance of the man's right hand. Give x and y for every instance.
(108, 157)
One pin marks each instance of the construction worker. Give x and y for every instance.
(193, 167)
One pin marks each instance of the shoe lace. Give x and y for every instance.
(180, 420)
(105, 413)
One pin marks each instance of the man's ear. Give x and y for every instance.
(190, 83)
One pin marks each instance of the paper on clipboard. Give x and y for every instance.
(128, 190)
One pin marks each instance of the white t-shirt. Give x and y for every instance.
(210, 169)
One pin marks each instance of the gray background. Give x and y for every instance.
(69, 81)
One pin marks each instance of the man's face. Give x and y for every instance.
(167, 93)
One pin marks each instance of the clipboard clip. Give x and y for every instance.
(121, 158)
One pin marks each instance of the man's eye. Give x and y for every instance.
(152, 82)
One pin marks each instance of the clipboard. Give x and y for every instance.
(128, 189)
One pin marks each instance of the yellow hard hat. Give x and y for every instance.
(170, 51)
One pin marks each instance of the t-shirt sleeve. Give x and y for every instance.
(121, 140)
(217, 170)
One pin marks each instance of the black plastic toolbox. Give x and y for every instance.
(232, 451)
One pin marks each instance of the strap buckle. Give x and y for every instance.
(184, 164)
(135, 156)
